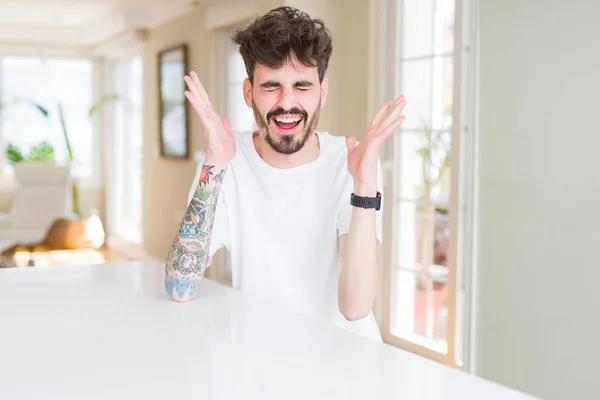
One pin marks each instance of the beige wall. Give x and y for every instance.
(166, 182)
(353, 44)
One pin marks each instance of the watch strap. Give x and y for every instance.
(366, 202)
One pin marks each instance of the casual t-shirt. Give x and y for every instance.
(281, 228)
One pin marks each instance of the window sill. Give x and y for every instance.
(8, 181)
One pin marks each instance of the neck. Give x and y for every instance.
(306, 154)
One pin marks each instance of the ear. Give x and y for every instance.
(247, 89)
(324, 91)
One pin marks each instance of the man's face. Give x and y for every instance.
(286, 103)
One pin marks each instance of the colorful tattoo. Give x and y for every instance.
(205, 174)
(188, 260)
(194, 221)
(188, 255)
(181, 286)
(219, 176)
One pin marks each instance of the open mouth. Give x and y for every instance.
(287, 123)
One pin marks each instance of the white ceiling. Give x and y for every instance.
(82, 22)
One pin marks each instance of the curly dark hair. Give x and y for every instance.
(272, 39)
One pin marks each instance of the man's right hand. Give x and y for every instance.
(220, 144)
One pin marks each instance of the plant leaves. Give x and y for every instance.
(13, 153)
(42, 152)
(64, 129)
(102, 102)
(39, 107)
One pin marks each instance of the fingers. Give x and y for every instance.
(380, 114)
(395, 110)
(200, 88)
(194, 102)
(350, 143)
(378, 140)
(381, 121)
(198, 97)
(197, 90)
(194, 91)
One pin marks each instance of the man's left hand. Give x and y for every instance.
(362, 158)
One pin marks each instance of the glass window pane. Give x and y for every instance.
(236, 69)
(126, 178)
(22, 124)
(428, 86)
(423, 236)
(442, 94)
(444, 27)
(410, 165)
(239, 114)
(419, 308)
(72, 84)
(47, 82)
(417, 87)
(407, 234)
(417, 21)
(428, 27)
(423, 165)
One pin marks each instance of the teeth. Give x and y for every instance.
(288, 120)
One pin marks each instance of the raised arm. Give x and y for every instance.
(358, 276)
(188, 255)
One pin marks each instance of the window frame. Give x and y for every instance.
(461, 246)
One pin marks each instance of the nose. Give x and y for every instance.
(287, 99)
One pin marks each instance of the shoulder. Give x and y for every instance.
(243, 138)
(333, 145)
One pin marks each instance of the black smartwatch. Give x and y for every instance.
(366, 202)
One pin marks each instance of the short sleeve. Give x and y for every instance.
(220, 231)
(345, 209)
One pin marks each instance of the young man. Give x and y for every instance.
(296, 208)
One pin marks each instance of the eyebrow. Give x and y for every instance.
(303, 84)
(274, 84)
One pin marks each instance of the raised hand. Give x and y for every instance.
(220, 144)
(362, 158)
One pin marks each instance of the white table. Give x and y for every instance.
(111, 332)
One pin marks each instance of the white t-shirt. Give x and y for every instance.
(281, 227)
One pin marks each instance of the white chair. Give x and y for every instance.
(43, 194)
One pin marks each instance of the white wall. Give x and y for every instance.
(538, 298)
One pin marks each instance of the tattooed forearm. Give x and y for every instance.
(188, 256)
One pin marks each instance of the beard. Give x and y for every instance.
(286, 144)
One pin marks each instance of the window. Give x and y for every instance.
(239, 114)
(425, 293)
(48, 82)
(124, 169)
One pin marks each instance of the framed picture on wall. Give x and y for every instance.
(174, 132)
